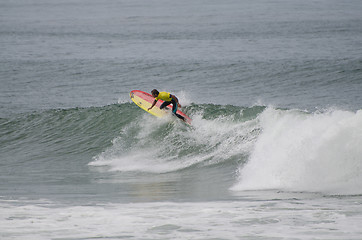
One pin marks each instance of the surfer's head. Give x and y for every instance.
(155, 93)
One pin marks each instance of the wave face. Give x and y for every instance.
(251, 148)
(274, 149)
(218, 135)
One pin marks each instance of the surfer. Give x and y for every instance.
(168, 98)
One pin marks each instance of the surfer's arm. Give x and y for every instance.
(153, 104)
(176, 99)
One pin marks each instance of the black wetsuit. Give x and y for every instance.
(174, 108)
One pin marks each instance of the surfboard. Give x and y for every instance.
(144, 100)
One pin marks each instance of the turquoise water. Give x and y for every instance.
(273, 88)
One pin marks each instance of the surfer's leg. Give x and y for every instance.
(174, 110)
(164, 104)
(174, 106)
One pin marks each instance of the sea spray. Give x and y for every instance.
(218, 134)
(298, 151)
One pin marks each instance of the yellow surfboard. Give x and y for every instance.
(144, 100)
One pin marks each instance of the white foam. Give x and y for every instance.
(302, 219)
(308, 152)
(184, 98)
(208, 141)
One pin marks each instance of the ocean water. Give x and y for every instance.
(274, 89)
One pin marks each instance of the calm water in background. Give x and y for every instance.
(273, 88)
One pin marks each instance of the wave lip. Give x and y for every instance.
(306, 152)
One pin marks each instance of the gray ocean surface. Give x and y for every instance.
(274, 89)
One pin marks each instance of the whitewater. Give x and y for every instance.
(276, 149)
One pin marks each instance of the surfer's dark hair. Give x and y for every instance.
(154, 91)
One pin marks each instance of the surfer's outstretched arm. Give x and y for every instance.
(153, 104)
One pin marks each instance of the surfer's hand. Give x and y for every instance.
(179, 105)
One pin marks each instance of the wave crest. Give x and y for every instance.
(306, 152)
